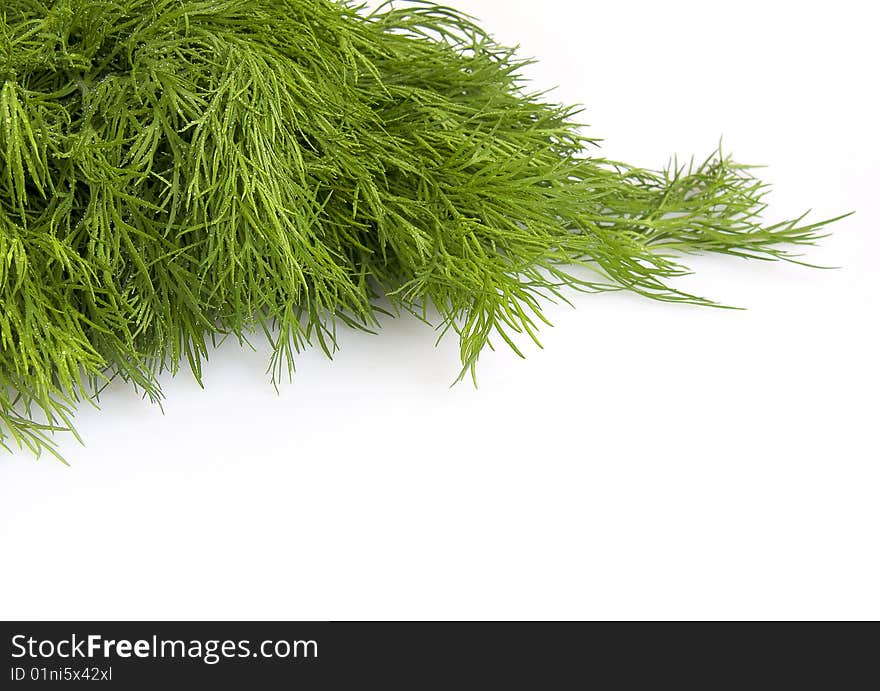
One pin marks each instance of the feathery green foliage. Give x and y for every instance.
(173, 170)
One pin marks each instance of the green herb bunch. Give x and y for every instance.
(175, 170)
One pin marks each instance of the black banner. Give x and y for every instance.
(411, 655)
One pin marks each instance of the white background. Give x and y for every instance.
(654, 461)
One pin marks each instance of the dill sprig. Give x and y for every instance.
(177, 170)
